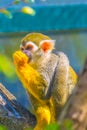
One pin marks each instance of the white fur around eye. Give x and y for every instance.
(35, 47)
(21, 46)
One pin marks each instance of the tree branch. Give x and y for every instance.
(12, 114)
(76, 107)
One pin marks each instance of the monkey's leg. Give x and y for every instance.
(72, 80)
(43, 117)
(60, 89)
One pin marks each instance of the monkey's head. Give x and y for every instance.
(36, 43)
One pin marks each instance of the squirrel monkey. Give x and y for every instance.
(47, 77)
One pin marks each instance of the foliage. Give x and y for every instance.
(26, 9)
(6, 12)
(2, 127)
(52, 126)
(6, 66)
(65, 125)
(28, 128)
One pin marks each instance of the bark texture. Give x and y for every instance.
(12, 114)
(77, 104)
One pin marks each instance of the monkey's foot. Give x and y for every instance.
(43, 116)
(20, 58)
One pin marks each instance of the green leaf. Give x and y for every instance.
(29, 1)
(67, 124)
(52, 126)
(28, 10)
(6, 66)
(28, 128)
(16, 2)
(2, 127)
(6, 13)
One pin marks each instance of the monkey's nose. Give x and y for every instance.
(28, 53)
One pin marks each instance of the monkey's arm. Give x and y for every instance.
(30, 78)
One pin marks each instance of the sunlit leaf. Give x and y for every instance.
(6, 13)
(6, 66)
(28, 10)
(29, 1)
(16, 1)
(52, 126)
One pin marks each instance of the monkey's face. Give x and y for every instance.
(31, 49)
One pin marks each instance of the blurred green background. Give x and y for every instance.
(57, 19)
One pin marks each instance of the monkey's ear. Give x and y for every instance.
(47, 45)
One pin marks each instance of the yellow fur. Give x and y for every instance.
(45, 109)
(33, 82)
(73, 78)
(73, 74)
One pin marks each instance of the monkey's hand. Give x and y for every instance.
(20, 59)
(31, 79)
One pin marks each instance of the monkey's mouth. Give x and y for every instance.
(28, 53)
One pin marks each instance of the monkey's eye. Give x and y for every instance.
(31, 46)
